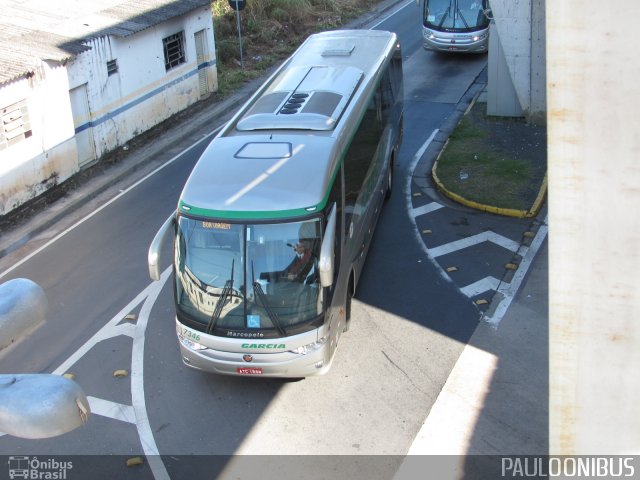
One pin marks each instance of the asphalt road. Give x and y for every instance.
(410, 324)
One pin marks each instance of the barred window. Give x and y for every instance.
(173, 50)
(112, 67)
(15, 125)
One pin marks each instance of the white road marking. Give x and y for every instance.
(105, 205)
(463, 395)
(424, 209)
(137, 413)
(408, 200)
(467, 242)
(391, 15)
(109, 409)
(412, 166)
(137, 382)
(509, 290)
(110, 330)
(483, 285)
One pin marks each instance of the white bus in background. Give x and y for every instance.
(274, 223)
(456, 25)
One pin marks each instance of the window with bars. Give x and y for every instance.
(14, 125)
(173, 50)
(112, 67)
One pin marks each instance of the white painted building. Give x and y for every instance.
(78, 79)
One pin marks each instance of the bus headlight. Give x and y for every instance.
(428, 34)
(311, 347)
(190, 344)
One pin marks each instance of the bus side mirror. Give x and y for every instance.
(327, 251)
(153, 257)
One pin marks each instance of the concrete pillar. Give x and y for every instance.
(520, 27)
(594, 231)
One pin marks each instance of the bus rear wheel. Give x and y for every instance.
(387, 194)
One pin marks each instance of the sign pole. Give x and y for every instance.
(239, 34)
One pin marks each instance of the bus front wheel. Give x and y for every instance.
(347, 307)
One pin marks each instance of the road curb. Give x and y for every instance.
(509, 212)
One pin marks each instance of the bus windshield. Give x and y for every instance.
(248, 280)
(455, 15)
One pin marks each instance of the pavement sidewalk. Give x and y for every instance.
(495, 401)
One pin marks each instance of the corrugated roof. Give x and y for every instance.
(35, 30)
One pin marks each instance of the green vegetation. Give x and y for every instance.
(494, 161)
(271, 30)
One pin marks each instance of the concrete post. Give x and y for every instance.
(520, 30)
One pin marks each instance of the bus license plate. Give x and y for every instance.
(249, 371)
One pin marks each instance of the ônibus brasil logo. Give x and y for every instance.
(34, 468)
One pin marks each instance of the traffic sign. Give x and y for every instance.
(237, 4)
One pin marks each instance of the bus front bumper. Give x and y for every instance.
(446, 45)
(282, 364)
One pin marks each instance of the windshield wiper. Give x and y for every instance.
(222, 299)
(462, 17)
(444, 16)
(259, 293)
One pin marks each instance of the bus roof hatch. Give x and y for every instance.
(303, 98)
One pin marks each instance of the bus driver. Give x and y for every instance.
(302, 263)
(304, 260)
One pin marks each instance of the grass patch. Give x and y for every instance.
(271, 30)
(494, 161)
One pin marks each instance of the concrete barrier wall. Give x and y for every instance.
(521, 30)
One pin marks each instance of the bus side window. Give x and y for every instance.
(359, 157)
(395, 70)
(387, 96)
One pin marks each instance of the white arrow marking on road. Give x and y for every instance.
(467, 242)
(137, 413)
(508, 290)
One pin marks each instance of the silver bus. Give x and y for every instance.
(456, 25)
(274, 223)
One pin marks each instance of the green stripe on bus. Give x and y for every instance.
(248, 215)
